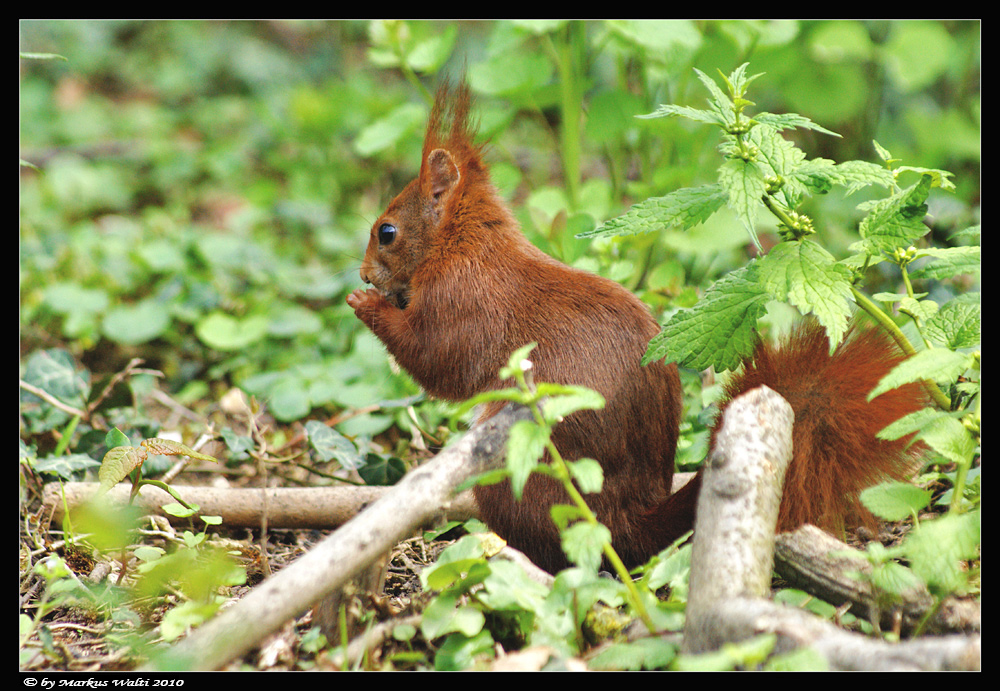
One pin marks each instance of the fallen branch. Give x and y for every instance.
(733, 553)
(354, 546)
(317, 508)
(820, 564)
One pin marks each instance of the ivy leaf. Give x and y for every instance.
(332, 445)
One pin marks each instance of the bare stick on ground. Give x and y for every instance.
(351, 548)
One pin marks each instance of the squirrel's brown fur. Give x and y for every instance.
(457, 288)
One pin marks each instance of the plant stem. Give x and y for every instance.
(559, 465)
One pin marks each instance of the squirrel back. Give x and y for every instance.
(458, 287)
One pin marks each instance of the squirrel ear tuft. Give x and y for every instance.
(440, 176)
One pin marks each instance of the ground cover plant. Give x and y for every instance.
(195, 199)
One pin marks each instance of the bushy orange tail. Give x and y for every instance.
(836, 453)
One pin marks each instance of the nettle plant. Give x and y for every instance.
(764, 172)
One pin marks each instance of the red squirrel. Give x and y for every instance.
(458, 287)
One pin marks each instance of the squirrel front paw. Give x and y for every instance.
(360, 300)
(366, 303)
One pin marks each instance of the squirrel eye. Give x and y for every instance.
(386, 233)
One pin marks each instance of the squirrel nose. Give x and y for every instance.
(364, 275)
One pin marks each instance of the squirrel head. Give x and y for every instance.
(414, 223)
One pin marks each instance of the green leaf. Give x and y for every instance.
(683, 208)
(525, 446)
(896, 221)
(744, 184)
(443, 616)
(949, 437)
(935, 364)
(138, 323)
(947, 262)
(584, 544)
(806, 276)
(453, 563)
(221, 331)
(561, 401)
(957, 324)
(115, 437)
(717, 332)
(169, 447)
(460, 652)
(117, 464)
(644, 653)
(55, 372)
(386, 132)
(380, 471)
(938, 548)
(697, 114)
(332, 445)
(786, 121)
(588, 475)
(66, 466)
(895, 501)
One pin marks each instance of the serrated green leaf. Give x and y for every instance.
(588, 474)
(697, 114)
(525, 446)
(169, 447)
(890, 577)
(780, 155)
(957, 324)
(717, 332)
(896, 221)
(935, 364)
(939, 178)
(720, 102)
(786, 121)
(948, 437)
(584, 544)
(806, 276)
(564, 400)
(913, 422)
(937, 549)
(948, 262)
(744, 184)
(683, 208)
(117, 464)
